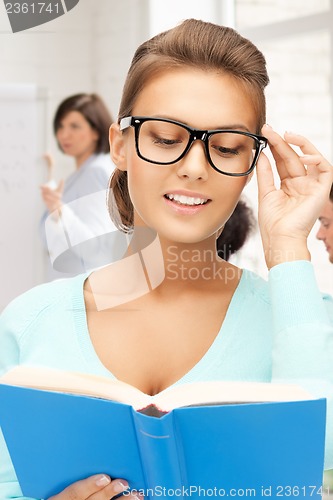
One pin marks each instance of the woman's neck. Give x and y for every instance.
(185, 264)
(168, 269)
(81, 159)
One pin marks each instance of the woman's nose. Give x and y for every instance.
(194, 165)
(63, 132)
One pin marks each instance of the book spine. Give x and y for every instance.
(159, 455)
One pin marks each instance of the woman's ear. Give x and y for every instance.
(117, 147)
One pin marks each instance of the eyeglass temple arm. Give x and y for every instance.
(125, 122)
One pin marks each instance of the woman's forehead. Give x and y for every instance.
(203, 99)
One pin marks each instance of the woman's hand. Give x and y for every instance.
(287, 215)
(53, 197)
(99, 487)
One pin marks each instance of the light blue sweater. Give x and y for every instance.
(280, 330)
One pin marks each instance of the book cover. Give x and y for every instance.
(259, 449)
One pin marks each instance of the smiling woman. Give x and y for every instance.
(190, 131)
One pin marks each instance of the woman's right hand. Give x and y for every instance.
(99, 487)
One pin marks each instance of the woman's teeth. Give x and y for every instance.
(186, 200)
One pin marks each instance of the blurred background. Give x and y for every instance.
(89, 50)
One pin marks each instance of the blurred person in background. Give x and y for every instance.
(76, 209)
(325, 233)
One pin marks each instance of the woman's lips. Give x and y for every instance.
(185, 204)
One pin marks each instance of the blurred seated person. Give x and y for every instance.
(325, 233)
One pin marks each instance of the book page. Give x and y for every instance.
(222, 392)
(190, 394)
(44, 378)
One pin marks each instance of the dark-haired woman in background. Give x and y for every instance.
(236, 231)
(76, 209)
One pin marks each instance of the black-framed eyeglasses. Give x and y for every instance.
(164, 142)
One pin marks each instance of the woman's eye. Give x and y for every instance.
(225, 151)
(165, 142)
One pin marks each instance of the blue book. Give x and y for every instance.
(227, 439)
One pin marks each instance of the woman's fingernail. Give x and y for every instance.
(103, 480)
(290, 132)
(120, 486)
(268, 125)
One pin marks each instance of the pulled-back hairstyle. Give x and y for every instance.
(195, 44)
(236, 231)
(92, 107)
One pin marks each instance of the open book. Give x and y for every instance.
(196, 393)
(61, 427)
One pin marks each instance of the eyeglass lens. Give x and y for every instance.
(165, 142)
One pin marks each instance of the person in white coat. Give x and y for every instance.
(76, 223)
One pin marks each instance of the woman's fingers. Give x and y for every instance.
(302, 142)
(317, 164)
(265, 177)
(98, 487)
(81, 490)
(49, 160)
(290, 164)
(287, 160)
(60, 187)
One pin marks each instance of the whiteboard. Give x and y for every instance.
(21, 136)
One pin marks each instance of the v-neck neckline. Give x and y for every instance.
(198, 371)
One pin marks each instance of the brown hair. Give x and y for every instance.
(92, 107)
(331, 193)
(236, 231)
(196, 44)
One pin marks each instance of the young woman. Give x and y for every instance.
(190, 132)
(75, 209)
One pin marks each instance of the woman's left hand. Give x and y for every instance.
(53, 198)
(287, 214)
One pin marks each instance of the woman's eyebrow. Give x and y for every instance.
(324, 219)
(235, 126)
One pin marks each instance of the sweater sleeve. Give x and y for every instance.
(303, 336)
(11, 326)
